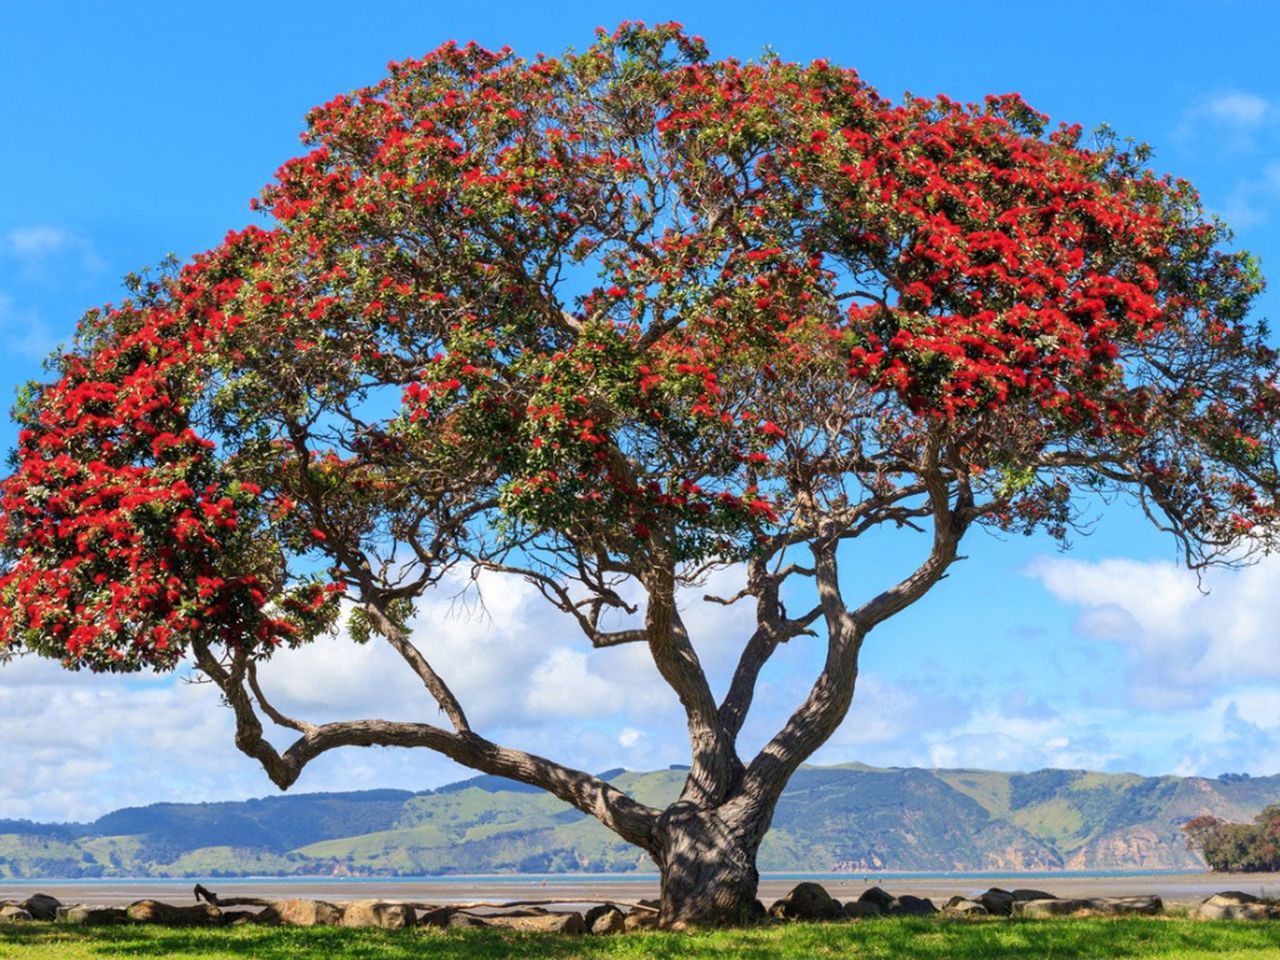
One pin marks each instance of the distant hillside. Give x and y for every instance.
(849, 817)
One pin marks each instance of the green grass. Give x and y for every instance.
(899, 939)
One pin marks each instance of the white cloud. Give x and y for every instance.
(1243, 123)
(629, 737)
(1230, 119)
(1183, 645)
(1251, 199)
(1236, 731)
(24, 331)
(35, 242)
(1237, 108)
(77, 745)
(45, 253)
(563, 685)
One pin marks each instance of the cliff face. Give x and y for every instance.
(849, 818)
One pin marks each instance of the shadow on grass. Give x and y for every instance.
(918, 939)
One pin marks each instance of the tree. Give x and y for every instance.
(609, 322)
(1231, 847)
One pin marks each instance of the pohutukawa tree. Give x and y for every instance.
(607, 323)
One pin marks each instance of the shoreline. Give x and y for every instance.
(1176, 889)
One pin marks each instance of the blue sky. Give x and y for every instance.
(136, 129)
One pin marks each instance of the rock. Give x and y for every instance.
(998, 902)
(435, 916)
(1127, 906)
(378, 913)
(962, 907)
(1028, 894)
(464, 920)
(1234, 905)
(41, 906)
(302, 913)
(861, 910)
(152, 911)
(807, 901)
(909, 906)
(1049, 907)
(12, 913)
(445, 917)
(241, 918)
(541, 922)
(1233, 897)
(640, 920)
(604, 920)
(90, 916)
(881, 898)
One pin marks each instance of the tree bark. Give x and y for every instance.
(707, 861)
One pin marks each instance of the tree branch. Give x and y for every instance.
(828, 701)
(632, 821)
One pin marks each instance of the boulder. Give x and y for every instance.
(153, 911)
(861, 910)
(541, 922)
(881, 898)
(302, 913)
(807, 901)
(1234, 905)
(242, 918)
(378, 913)
(445, 917)
(963, 907)
(12, 913)
(1032, 894)
(90, 915)
(909, 906)
(460, 919)
(1050, 907)
(604, 920)
(41, 906)
(1127, 906)
(435, 916)
(998, 902)
(640, 920)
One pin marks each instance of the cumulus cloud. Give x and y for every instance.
(1232, 118)
(1182, 645)
(38, 241)
(1235, 108)
(1245, 123)
(24, 330)
(36, 259)
(1234, 732)
(77, 745)
(44, 250)
(1204, 698)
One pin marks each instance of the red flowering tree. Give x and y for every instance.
(608, 322)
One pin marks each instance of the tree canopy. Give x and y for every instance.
(1233, 847)
(616, 319)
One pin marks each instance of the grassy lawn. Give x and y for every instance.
(896, 939)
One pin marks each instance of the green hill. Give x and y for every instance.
(842, 818)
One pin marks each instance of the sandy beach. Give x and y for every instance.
(1174, 888)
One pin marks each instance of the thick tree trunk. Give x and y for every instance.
(708, 865)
